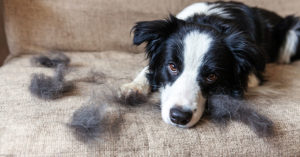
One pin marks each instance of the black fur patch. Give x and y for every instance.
(223, 108)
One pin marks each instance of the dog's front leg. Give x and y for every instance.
(139, 86)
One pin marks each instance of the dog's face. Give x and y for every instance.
(189, 62)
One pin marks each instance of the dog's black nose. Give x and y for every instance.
(180, 116)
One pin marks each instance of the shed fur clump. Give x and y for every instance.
(87, 122)
(47, 87)
(51, 60)
(223, 108)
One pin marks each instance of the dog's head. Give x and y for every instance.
(188, 62)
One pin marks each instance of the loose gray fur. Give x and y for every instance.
(92, 120)
(223, 108)
(133, 99)
(52, 60)
(87, 122)
(95, 77)
(46, 87)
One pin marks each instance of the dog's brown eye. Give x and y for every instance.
(172, 68)
(211, 78)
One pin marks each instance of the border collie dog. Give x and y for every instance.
(209, 49)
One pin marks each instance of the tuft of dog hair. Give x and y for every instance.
(52, 60)
(92, 120)
(47, 87)
(133, 99)
(222, 108)
(96, 77)
(87, 121)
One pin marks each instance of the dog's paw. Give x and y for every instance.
(133, 93)
(134, 87)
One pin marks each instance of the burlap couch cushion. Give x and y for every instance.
(34, 26)
(33, 127)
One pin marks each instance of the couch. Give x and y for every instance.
(95, 34)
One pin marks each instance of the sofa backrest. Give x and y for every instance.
(34, 26)
(3, 43)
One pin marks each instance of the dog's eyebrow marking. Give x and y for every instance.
(202, 8)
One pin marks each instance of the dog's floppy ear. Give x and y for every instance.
(153, 33)
(249, 57)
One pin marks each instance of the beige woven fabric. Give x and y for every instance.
(33, 127)
(34, 26)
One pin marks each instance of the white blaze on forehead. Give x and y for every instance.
(196, 45)
(185, 91)
(202, 8)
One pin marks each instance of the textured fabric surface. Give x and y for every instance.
(33, 127)
(93, 25)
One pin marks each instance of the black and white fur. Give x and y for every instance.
(227, 39)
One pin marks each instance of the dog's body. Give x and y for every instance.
(209, 49)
